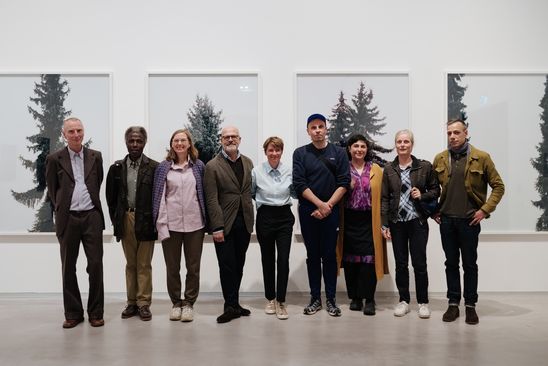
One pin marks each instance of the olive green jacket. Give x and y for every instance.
(479, 172)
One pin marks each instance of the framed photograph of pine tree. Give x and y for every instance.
(373, 104)
(33, 107)
(204, 103)
(507, 116)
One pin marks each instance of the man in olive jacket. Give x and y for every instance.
(129, 198)
(227, 187)
(464, 173)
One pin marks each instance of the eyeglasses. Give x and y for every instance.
(178, 141)
(230, 137)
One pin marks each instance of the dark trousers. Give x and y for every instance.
(274, 230)
(231, 259)
(192, 244)
(320, 239)
(410, 237)
(458, 238)
(85, 227)
(361, 280)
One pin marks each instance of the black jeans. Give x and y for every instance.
(459, 238)
(274, 230)
(410, 237)
(231, 259)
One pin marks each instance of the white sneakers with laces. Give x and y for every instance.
(401, 309)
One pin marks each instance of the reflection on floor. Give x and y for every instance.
(513, 330)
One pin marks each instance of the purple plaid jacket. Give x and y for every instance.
(160, 176)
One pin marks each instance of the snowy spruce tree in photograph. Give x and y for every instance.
(455, 92)
(205, 127)
(365, 119)
(48, 112)
(340, 121)
(540, 163)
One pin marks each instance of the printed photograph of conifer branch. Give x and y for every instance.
(203, 103)
(507, 116)
(34, 107)
(374, 105)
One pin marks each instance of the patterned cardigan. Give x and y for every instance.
(160, 177)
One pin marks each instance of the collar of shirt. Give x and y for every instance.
(228, 158)
(73, 153)
(137, 163)
(181, 167)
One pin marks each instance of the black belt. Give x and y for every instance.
(131, 209)
(80, 213)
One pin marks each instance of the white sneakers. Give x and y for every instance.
(424, 311)
(401, 309)
(175, 313)
(270, 307)
(281, 311)
(187, 314)
(278, 308)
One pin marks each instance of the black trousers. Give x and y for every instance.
(361, 280)
(231, 259)
(274, 230)
(85, 227)
(410, 237)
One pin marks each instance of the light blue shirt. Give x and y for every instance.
(81, 200)
(272, 187)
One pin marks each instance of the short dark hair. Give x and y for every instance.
(359, 137)
(138, 129)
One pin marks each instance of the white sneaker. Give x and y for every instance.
(270, 307)
(187, 314)
(281, 311)
(401, 309)
(424, 311)
(175, 313)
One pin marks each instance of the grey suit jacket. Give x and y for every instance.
(224, 194)
(60, 183)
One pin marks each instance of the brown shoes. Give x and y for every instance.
(451, 314)
(144, 313)
(97, 322)
(71, 323)
(129, 311)
(471, 315)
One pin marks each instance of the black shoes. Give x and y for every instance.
(356, 305)
(129, 311)
(471, 315)
(451, 314)
(144, 313)
(369, 308)
(229, 314)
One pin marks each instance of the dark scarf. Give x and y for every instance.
(459, 153)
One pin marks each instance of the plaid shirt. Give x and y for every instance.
(159, 183)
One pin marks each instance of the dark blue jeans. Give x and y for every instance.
(320, 239)
(458, 239)
(410, 237)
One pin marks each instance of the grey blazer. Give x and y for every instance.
(224, 195)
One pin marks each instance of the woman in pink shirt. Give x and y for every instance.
(180, 217)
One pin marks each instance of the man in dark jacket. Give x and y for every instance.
(129, 198)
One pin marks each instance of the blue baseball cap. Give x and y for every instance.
(314, 117)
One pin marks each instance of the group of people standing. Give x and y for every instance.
(348, 207)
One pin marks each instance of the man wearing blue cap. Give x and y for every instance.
(321, 177)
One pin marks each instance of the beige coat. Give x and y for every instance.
(381, 262)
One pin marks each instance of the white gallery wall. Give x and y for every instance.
(276, 40)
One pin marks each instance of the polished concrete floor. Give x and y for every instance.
(513, 330)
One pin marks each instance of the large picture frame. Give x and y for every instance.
(34, 104)
(383, 99)
(191, 99)
(505, 112)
